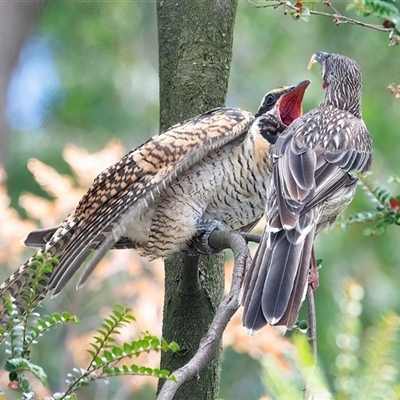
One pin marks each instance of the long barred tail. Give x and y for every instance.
(27, 286)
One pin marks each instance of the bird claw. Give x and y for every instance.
(200, 245)
(313, 277)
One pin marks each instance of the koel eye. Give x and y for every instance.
(270, 100)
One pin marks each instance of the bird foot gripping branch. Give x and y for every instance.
(200, 244)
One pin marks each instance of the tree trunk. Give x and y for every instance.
(16, 21)
(195, 52)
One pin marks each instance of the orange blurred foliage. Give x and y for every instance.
(123, 276)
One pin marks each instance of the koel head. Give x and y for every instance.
(279, 108)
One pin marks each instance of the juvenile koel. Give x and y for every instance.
(206, 173)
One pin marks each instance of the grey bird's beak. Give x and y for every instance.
(318, 57)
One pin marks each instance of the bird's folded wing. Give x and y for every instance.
(127, 188)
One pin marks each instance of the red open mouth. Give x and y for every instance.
(290, 105)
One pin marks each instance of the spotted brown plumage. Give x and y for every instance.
(309, 186)
(205, 173)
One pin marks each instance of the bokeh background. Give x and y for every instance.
(85, 90)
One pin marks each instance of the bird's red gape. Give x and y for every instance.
(290, 107)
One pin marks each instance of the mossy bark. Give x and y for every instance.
(195, 53)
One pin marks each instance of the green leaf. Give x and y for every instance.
(127, 348)
(108, 356)
(25, 386)
(134, 368)
(117, 351)
(98, 361)
(102, 333)
(144, 344)
(135, 347)
(174, 347)
(164, 373)
(155, 343)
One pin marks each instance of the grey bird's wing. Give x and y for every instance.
(305, 174)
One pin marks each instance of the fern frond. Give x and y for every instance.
(387, 210)
(105, 354)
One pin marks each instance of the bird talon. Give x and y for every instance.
(313, 275)
(313, 280)
(200, 245)
(210, 226)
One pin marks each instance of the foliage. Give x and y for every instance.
(387, 211)
(25, 331)
(384, 9)
(19, 329)
(105, 354)
(366, 364)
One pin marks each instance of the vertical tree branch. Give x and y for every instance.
(195, 53)
(16, 21)
(224, 313)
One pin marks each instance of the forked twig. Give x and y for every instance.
(337, 17)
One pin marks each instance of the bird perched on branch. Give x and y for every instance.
(206, 173)
(309, 186)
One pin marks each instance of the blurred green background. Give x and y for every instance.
(88, 72)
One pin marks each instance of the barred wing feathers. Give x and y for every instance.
(126, 189)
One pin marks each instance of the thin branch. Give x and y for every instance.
(342, 19)
(219, 240)
(337, 17)
(312, 333)
(251, 237)
(312, 316)
(312, 320)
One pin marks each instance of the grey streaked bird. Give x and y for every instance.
(206, 173)
(310, 184)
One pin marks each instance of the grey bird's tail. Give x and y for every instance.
(275, 284)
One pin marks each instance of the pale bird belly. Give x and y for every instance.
(166, 228)
(236, 210)
(223, 187)
(240, 196)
